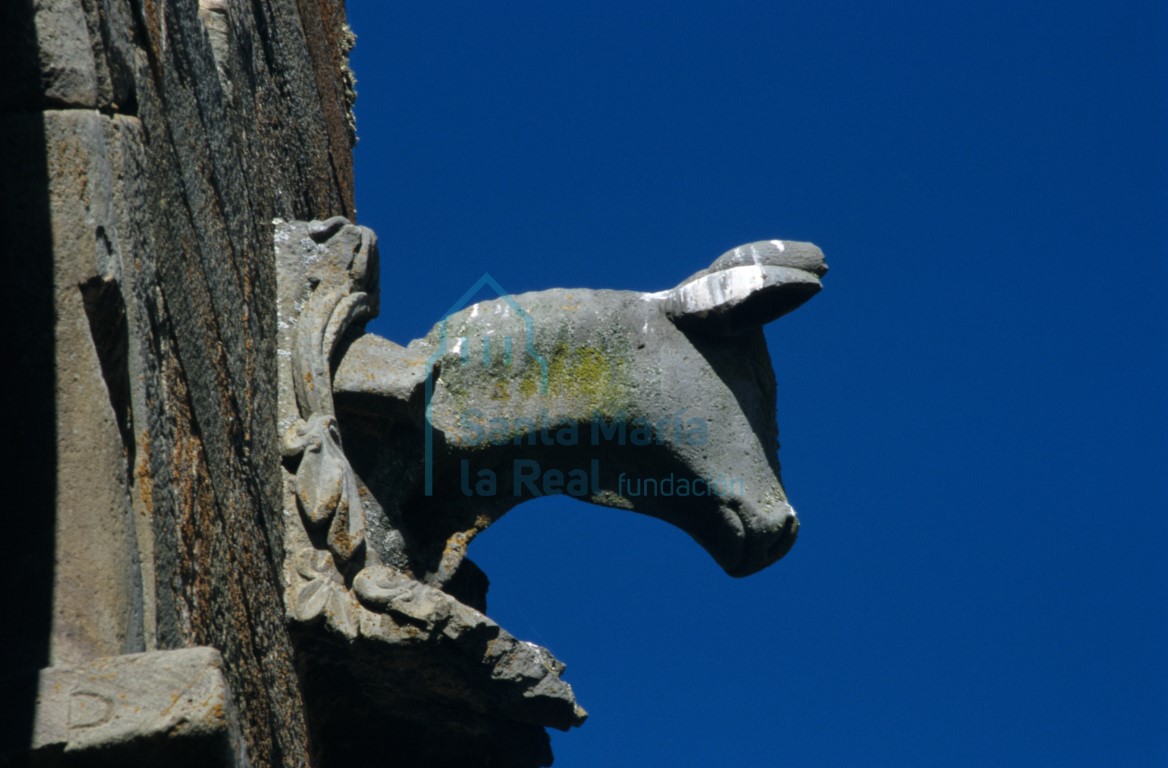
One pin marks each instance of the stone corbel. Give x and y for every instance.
(351, 597)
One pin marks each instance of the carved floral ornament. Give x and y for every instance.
(396, 457)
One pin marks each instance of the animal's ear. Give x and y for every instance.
(747, 287)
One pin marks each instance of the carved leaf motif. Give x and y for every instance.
(319, 574)
(312, 599)
(390, 591)
(319, 478)
(320, 592)
(343, 613)
(314, 564)
(326, 486)
(347, 532)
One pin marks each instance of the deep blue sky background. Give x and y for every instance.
(972, 413)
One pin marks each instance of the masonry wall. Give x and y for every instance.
(147, 146)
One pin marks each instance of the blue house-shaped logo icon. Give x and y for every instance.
(465, 351)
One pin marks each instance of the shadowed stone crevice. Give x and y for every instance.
(107, 323)
(354, 718)
(28, 307)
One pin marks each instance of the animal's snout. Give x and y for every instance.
(779, 543)
(766, 540)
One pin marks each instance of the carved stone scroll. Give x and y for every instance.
(357, 604)
(327, 282)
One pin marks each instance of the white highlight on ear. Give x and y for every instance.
(728, 286)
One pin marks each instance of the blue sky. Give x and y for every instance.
(972, 413)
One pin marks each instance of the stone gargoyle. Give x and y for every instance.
(661, 403)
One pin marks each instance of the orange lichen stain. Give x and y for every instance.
(142, 476)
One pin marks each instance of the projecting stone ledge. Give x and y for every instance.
(162, 707)
(380, 651)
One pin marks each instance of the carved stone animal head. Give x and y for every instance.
(661, 403)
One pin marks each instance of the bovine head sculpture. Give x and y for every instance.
(395, 457)
(662, 403)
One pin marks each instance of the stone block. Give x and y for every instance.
(137, 709)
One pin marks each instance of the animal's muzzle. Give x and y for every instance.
(763, 546)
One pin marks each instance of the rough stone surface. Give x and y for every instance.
(673, 384)
(129, 710)
(149, 145)
(359, 607)
(98, 609)
(68, 74)
(662, 403)
(170, 135)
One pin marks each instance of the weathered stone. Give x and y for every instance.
(675, 382)
(151, 143)
(68, 75)
(129, 710)
(111, 29)
(98, 610)
(746, 287)
(409, 642)
(598, 394)
(177, 142)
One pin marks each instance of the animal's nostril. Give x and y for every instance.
(783, 540)
(775, 550)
